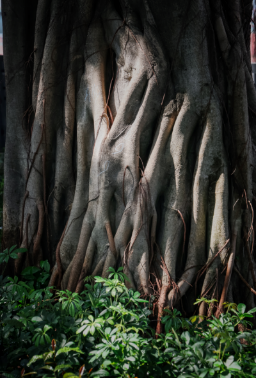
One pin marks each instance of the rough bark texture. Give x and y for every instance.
(131, 139)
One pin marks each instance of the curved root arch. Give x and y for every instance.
(152, 151)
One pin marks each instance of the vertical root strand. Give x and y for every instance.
(162, 298)
(77, 262)
(22, 216)
(46, 212)
(21, 256)
(111, 240)
(244, 281)
(37, 254)
(58, 259)
(230, 265)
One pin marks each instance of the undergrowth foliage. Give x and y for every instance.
(109, 331)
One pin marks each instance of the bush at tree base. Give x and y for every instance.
(109, 331)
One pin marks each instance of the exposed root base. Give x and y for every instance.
(129, 148)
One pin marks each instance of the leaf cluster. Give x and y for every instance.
(106, 332)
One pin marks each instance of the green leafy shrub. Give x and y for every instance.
(105, 332)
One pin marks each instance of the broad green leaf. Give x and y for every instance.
(193, 319)
(92, 330)
(70, 375)
(35, 358)
(99, 279)
(67, 350)
(24, 285)
(47, 327)
(100, 373)
(21, 250)
(37, 340)
(86, 331)
(64, 304)
(241, 308)
(30, 270)
(169, 350)
(99, 320)
(234, 366)
(47, 367)
(105, 353)
(14, 255)
(135, 346)
(71, 310)
(81, 329)
(251, 311)
(203, 373)
(32, 372)
(229, 361)
(42, 340)
(45, 265)
(48, 355)
(36, 319)
(106, 363)
(59, 367)
(186, 336)
(131, 358)
(47, 338)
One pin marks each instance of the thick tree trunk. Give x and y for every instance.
(131, 136)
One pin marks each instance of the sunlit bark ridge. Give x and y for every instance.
(130, 141)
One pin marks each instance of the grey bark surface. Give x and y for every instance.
(131, 142)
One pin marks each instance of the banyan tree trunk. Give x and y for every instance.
(131, 139)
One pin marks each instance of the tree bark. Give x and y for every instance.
(131, 139)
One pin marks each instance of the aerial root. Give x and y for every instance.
(244, 281)
(99, 267)
(54, 277)
(203, 306)
(22, 215)
(66, 275)
(211, 158)
(153, 235)
(79, 262)
(26, 231)
(214, 295)
(209, 263)
(37, 251)
(46, 211)
(58, 259)
(86, 265)
(230, 265)
(160, 305)
(21, 256)
(111, 241)
(162, 298)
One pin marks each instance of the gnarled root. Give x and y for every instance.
(142, 156)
